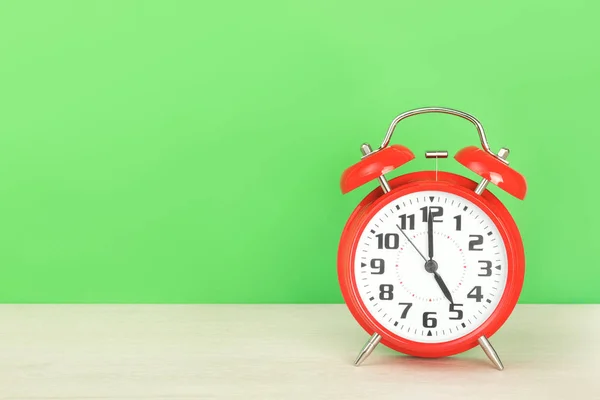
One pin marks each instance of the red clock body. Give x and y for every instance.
(421, 300)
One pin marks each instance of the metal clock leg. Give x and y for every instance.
(367, 349)
(489, 351)
(374, 340)
(483, 342)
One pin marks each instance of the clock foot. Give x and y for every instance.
(367, 349)
(489, 351)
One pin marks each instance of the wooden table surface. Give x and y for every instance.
(279, 352)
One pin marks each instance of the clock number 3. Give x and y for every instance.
(487, 269)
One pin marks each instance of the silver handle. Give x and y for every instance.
(442, 110)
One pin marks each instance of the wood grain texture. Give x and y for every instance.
(279, 352)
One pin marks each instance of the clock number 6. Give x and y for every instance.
(429, 322)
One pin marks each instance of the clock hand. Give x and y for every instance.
(430, 234)
(431, 266)
(443, 286)
(410, 241)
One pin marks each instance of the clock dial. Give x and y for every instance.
(435, 281)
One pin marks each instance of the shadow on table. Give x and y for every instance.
(464, 361)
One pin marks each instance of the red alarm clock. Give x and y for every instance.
(431, 263)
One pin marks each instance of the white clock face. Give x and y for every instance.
(430, 299)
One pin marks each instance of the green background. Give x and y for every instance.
(189, 151)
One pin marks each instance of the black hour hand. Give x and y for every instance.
(443, 286)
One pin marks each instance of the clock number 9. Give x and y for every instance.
(379, 265)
